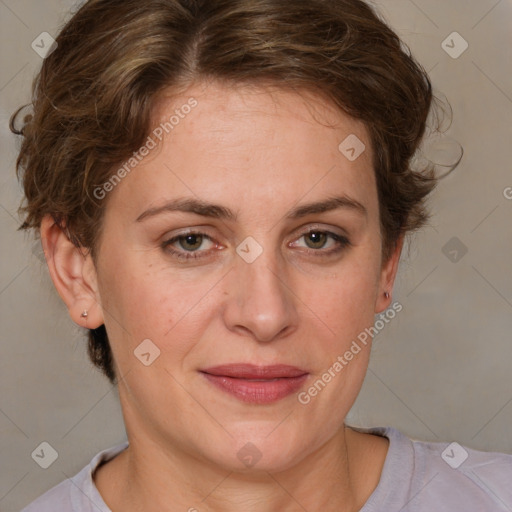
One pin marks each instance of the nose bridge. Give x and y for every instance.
(261, 300)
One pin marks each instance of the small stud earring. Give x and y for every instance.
(386, 294)
(84, 314)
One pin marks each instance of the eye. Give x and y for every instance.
(188, 245)
(323, 243)
(192, 241)
(316, 239)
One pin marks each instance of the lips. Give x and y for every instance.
(249, 371)
(256, 384)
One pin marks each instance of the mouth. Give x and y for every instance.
(256, 384)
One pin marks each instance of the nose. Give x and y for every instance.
(260, 302)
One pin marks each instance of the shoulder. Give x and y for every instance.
(421, 476)
(77, 494)
(56, 499)
(477, 479)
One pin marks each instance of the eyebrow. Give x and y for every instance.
(191, 206)
(333, 203)
(216, 211)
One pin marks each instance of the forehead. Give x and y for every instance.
(230, 111)
(242, 144)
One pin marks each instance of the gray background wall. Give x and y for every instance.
(439, 371)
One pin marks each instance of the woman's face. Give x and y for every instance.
(205, 252)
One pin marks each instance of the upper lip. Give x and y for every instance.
(251, 371)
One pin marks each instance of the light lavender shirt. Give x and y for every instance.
(417, 477)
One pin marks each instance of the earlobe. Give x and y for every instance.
(73, 274)
(387, 278)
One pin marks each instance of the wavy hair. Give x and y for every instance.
(92, 99)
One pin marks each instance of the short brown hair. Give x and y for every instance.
(93, 96)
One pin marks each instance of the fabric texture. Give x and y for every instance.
(417, 476)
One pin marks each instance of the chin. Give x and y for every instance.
(266, 451)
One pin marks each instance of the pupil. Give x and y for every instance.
(189, 241)
(320, 239)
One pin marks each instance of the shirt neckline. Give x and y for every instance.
(398, 459)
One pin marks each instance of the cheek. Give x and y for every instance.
(345, 302)
(147, 301)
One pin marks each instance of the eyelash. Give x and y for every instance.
(342, 243)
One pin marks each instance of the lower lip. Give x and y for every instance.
(258, 392)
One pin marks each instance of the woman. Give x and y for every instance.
(222, 190)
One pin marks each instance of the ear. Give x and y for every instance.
(73, 273)
(387, 277)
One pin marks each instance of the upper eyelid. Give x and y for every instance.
(300, 231)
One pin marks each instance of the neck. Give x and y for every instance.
(336, 477)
